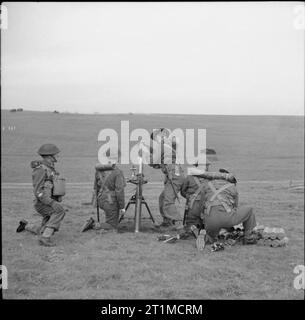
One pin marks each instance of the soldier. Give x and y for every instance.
(173, 179)
(193, 190)
(222, 211)
(111, 194)
(46, 204)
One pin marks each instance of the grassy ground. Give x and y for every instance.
(264, 153)
(129, 265)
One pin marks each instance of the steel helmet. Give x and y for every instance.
(48, 149)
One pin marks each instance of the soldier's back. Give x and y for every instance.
(229, 193)
(113, 176)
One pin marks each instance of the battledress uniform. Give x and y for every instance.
(193, 190)
(43, 176)
(222, 211)
(165, 159)
(111, 196)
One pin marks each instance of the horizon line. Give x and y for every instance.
(152, 113)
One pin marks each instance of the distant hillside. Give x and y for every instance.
(255, 147)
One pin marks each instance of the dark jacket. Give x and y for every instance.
(189, 187)
(229, 195)
(42, 177)
(112, 183)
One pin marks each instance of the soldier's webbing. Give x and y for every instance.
(195, 195)
(217, 195)
(48, 177)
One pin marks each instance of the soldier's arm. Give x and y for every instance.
(119, 190)
(233, 195)
(236, 198)
(42, 188)
(95, 183)
(217, 175)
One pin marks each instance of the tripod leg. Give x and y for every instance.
(130, 201)
(147, 207)
(128, 204)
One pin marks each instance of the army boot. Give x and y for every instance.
(21, 226)
(105, 227)
(200, 241)
(90, 223)
(180, 229)
(166, 225)
(194, 230)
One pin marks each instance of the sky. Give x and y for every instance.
(188, 58)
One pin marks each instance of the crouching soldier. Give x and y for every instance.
(194, 189)
(111, 194)
(45, 179)
(222, 211)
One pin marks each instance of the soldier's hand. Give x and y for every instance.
(56, 206)
(122, 211)
(59, 199)
(223, 171)
(231, 178)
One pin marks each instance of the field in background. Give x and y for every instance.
(265, 153)
(253, 147)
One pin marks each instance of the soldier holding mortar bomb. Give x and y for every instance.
(164, 158)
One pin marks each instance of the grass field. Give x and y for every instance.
(265, 153)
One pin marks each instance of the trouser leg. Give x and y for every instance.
(194, 215)
(112, 215)
(44, 221)
(219, 218)
(169, 207)
(33, 228)
(245, 216)
(161, 206)
(51, 218)
(169, 198)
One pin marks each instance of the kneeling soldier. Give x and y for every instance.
(44, 177)
(194, 189)
(222, 211)
(111, 194)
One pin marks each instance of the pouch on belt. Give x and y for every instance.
(59, 187)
